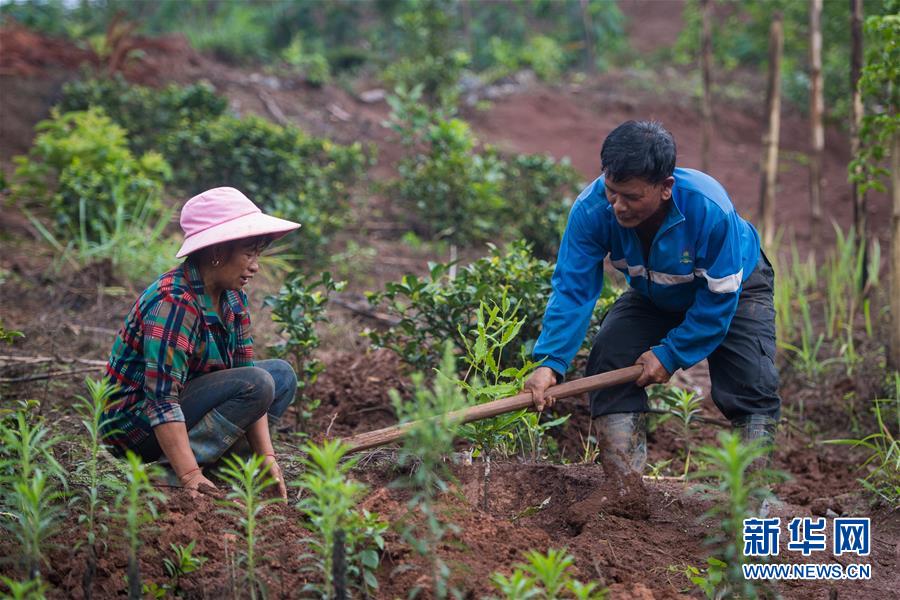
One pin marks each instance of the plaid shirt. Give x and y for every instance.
(171, 335)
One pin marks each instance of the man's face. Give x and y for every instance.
(635, 200)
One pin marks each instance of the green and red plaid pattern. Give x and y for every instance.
(171, 335)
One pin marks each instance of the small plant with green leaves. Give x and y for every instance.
(30, 589)
(546, 576)
(730, 471)
(328, 503)
(184, 563)
(136, 501)
(248, 479)
(686, 406)
(32, 487)
(425, 444)
(8, 336)
(297, 308)
(883, 445)
(91, 409)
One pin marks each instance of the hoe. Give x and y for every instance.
(380, 437)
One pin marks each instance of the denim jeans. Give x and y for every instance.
(219, 407)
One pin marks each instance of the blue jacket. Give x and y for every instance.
(698, 261)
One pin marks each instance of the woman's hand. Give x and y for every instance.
(192, 480)
(275, 473)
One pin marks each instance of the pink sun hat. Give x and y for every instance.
(224, 214)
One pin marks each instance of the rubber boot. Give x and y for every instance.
(751, 429)
(758, 427)
(623, 442)
(212, 437)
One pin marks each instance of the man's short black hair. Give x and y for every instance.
(642, 149)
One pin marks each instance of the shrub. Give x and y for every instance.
(81, 164)
(454, 190)
(297, 308)
(539, 191)
(147, 114)
(434, 309)
(427, 51)
(285, 171)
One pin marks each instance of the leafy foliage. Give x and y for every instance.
(81, 164)
(136, 500)
(285, 171)
(147, 114)
(248, 478)
(883, 446)
(486, 379)
(464, 192)
(741, 36)
(329, 504)
(878, 85)
(546, 576)
(433, 309)
(297, 308)
(741, 486)
(426, 442)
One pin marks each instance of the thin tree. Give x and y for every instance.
(588, 24)
(706, 69)
(772, 131)
(816, 110)
(856, 63)
(895, 252)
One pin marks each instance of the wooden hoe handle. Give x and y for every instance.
(380, 437)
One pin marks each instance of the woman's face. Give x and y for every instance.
(239, 267)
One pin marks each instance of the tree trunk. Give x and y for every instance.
(772, 132)
(706, 68)
(895, 254)
(856, 61)
(588, 36)
(816, 110)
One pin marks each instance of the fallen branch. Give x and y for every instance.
(48, 375)
(43, 359)
(364, 310)
(273, 108)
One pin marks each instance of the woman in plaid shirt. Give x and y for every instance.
(187, 387)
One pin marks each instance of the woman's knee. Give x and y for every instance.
(282, 373)
(260, 387)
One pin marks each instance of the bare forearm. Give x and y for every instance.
(259, 438)
(173, 439)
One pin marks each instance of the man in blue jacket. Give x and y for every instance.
(700, 287)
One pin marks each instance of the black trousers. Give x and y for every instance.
(742, 368)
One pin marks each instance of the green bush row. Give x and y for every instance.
(463, 192)
(439, 307)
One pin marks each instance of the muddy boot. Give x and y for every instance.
(763, 428)
(623, 442)
(212, 437)
(758, 427)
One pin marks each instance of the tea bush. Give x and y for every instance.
(80, 166)
(539, 191)
(454, 190)
(147, 114)
(436, 308)
(285, 171)
(299, 305)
